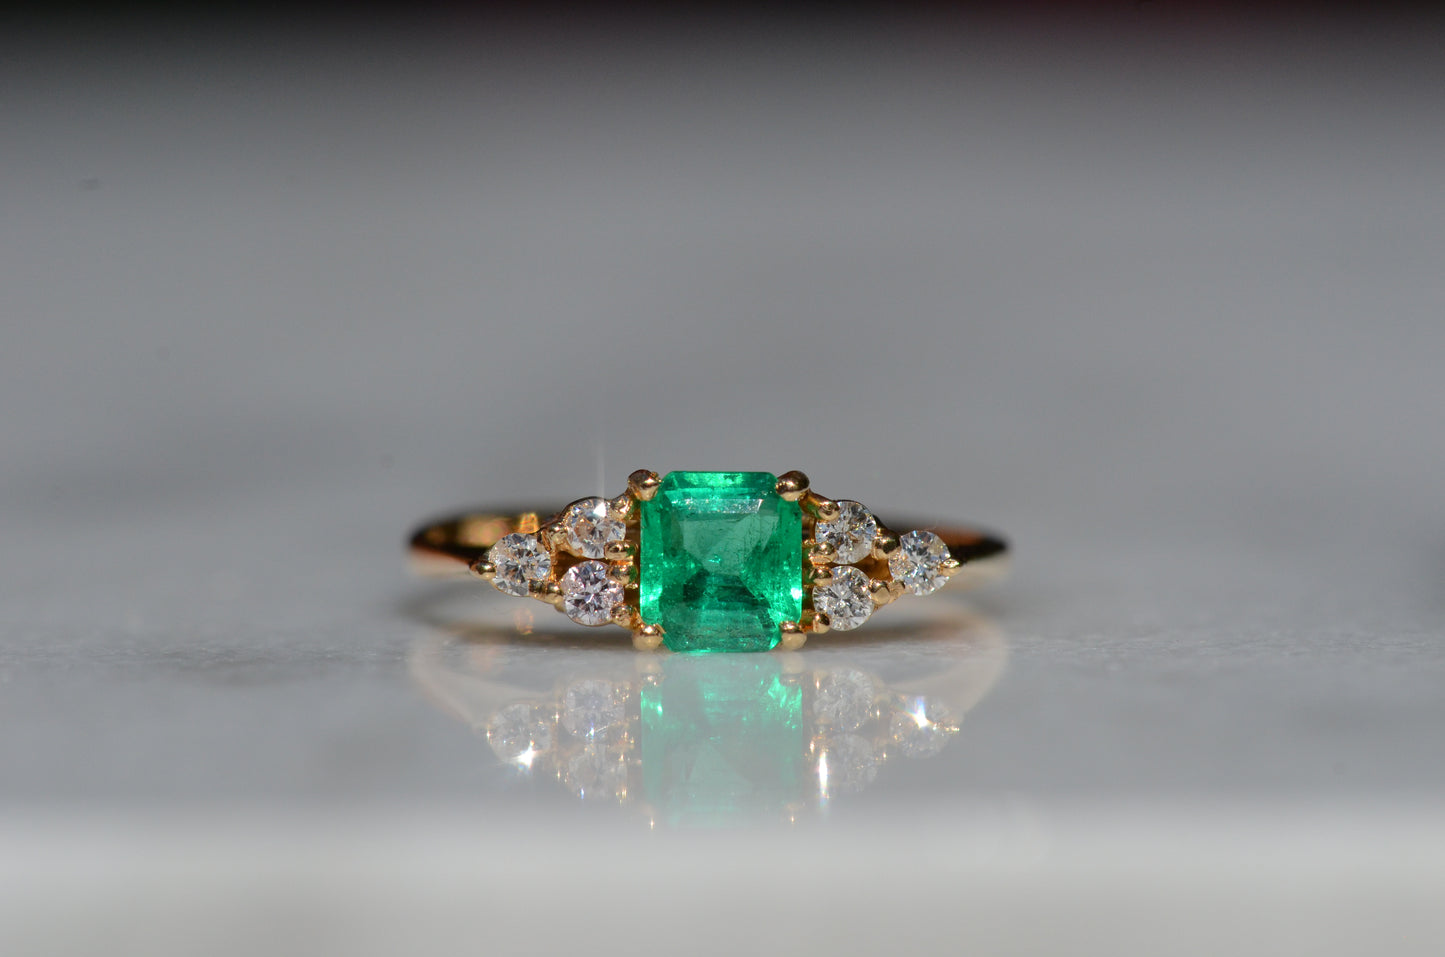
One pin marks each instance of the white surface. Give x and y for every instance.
(1003, 879)
(1170, 315)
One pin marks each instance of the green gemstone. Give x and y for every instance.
(722, 561)
(722, 740)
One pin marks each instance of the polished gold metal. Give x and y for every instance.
(792, 486)
(642, 485)
(646, 637)
(793, 636)
(885, 543)
(621, 551)
(462, 543)
(822, 553)
(823, 509)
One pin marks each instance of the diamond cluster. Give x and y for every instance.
(848, 540)
(589, 591)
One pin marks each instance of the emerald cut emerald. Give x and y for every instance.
(722, 561)
(722, 740)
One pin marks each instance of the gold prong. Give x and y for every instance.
(792, 486)
(550, 592)
(822, 553)
(622, 615)
(825, 509)
(484, 569)
(950, 567)
(619, 551)
(819, 624)
(528, 523)
(822, 577)
(642, 485)
(622, 574)
(620, 507)
(553, 536)
(880, 592)
(793, 636)
(897, 589)
(647, 637)
(885, 543)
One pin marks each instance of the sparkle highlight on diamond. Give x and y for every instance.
(520, 560)
(588, 528)
(918, 562)
(851, 533)
(846, 599)
(589, 594)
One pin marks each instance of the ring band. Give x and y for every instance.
(709, 561)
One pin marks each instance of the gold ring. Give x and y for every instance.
(709, 561)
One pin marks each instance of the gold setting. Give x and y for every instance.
(468, 538)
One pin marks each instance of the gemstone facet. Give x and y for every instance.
(918, 562)
(846, 600)
(588, 529)
(519, 560)
(721, 561)
(851, 533)
(589, 593)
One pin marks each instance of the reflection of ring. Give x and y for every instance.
(710, 561)
(712, 740)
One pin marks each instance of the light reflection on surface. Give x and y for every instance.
(712, 740)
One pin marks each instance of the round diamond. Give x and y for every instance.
(845, 600)
(851, 533)
(918, 562)
(846, 764)
(519, 560)
(595, 773)
(844, 700)
(921, 727)
(588, 594)
(519, 733)
(588, 529)
(591, 708)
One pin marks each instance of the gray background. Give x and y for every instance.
(1168, 306)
